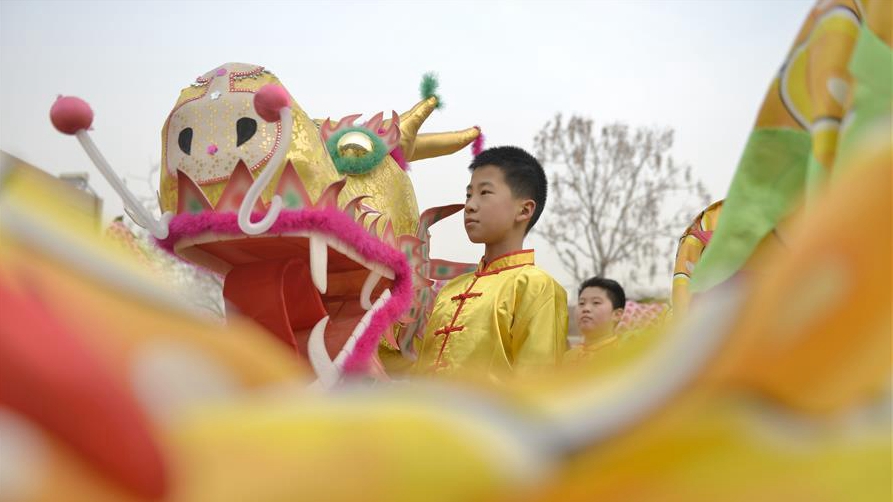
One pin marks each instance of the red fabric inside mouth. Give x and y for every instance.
(278, 294)
(214, 240)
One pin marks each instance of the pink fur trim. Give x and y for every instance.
(478, 146)
(337, 224)
(397, 155)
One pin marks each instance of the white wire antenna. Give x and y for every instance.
(272, 103)
(72, 115)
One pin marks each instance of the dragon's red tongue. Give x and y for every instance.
(279, 295)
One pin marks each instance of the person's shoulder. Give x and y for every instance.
(459, 279)
(536, 273)
(538, 280)
(460, 282)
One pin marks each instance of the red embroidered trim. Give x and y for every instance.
(513, 253)
(465, 296)
(232, 88)
(448, 329)
(232, 78)
(255, 167)
(497, 270)
(167, 125)
(452, 328)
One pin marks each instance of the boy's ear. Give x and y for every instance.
(616, 315)
(526, 210)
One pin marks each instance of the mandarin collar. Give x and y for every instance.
(507, 261)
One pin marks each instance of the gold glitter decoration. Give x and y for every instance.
(388, 187)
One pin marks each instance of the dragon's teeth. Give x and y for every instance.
(383, 271)
(318, 355)
(319, 262)
(366, 291)
(359, 329)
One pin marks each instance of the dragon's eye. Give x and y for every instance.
(245, 129)
(185, 140)
(355, 144)
(356, 150)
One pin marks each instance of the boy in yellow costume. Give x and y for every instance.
(600, 304)
(508, 315)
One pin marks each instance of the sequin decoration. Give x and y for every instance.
(213, 116)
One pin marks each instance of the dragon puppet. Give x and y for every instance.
(314, 223)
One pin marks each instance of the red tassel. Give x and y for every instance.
(478, 146)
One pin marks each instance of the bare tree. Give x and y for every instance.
(201, 288)
(612, 196)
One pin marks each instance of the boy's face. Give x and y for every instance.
(491, 210)
(595, 313)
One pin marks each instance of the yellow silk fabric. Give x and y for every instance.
(689, 252)
(507, 316)
(587, 351)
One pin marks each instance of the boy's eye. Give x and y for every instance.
(485, 192)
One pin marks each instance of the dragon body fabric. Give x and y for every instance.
(349, 230)
(827, 91)
(775, 386)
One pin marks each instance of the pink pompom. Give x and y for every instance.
(70, 114)
(478, 146)
(268, 100)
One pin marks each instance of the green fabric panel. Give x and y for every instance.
(816, 177)
(770, 179)
(872, 62)
(872, 68)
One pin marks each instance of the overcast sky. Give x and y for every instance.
(701, 68)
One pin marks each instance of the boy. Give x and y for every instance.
(508, 315)
(600, 304)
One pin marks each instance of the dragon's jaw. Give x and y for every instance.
(318, 262)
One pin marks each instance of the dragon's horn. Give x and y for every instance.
(410, 122)
(442, 143)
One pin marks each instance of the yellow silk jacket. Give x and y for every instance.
(588, 350)
(507, 316)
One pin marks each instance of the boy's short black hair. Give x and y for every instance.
(611, 287)
(523, 174)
